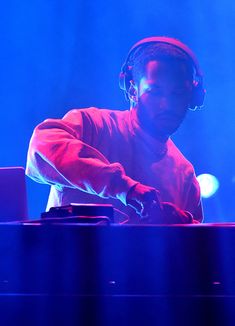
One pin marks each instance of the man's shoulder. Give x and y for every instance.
(99, 112)
(180, 161)
(98, 117)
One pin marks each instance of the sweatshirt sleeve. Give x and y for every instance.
(59, 156)
(194, 204)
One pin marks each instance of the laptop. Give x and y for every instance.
(13, 196)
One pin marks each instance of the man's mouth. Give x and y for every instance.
(167, 117)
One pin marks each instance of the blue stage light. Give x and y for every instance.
(209, 184)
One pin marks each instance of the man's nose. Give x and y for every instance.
(163, 103)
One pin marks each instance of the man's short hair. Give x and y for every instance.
(158, 51)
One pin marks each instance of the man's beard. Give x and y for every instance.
(161, 126)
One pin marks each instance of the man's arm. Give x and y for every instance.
(58, 155)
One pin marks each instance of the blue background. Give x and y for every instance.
(57, 55)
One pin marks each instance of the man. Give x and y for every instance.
(127, 158)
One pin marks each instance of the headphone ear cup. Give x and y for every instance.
(198, 95)
(125, 78)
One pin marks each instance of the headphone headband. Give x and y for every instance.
(171, 41)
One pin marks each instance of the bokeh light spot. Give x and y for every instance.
(209, 184)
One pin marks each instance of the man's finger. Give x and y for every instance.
(152, 209)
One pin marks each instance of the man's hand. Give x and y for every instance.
(173, 215)
(145, 200)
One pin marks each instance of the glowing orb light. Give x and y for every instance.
(209, 184)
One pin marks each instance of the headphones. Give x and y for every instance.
(198, 92)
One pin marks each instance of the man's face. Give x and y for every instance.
(163, 97)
